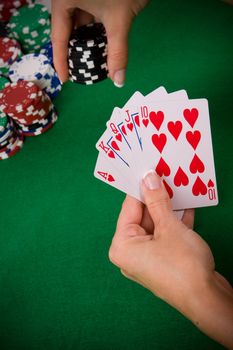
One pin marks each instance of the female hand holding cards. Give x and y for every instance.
(169, 133)
(151, 245)
(155, 249)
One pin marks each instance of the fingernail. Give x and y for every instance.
(152, 180)
(119, 78)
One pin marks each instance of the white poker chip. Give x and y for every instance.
(37, 69)
(28, 67)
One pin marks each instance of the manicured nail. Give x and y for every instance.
(152, 180)
(119, 78)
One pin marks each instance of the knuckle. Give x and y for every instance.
(113, 254)
(162, 203)
(161, 210)
(118, 56)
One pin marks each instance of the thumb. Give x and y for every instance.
(156, 198)
(117, 30)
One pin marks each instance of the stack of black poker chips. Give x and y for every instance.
(88, 54)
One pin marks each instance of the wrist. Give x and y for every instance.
(210, 308)
(206, 301)
(184, 292)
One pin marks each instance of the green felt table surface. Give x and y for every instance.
(58, 289)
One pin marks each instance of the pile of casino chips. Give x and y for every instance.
(25, 102)
(88, 54)
(36, 68)
(10, 51)
(27, 110)
(30, 25)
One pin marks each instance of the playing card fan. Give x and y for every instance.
(168, 133)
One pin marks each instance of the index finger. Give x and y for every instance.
(61, 30)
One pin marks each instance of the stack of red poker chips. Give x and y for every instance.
(7, 8)
(30, 108)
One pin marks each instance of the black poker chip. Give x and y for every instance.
(87, 36)
(74, 56)
(92, 66)
(91, 50)
(94, 70)
(87, 81)
(87, 59)
(88, 56)
(88, 74)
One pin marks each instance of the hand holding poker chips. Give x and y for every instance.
(168, 133)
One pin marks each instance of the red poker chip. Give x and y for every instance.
(16, 97)
(7, 49)
(12, 153)
(9, 145)
(30, 110)
(39, 112)
(16, 147)
(42, 131)
(31, 134)
(45, 106)
(8, 6)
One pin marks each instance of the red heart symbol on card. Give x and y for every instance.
(159, 141)
(199, 187)
(119, 137)
(156, 119)
(145, 122)
(191, 116)
(110, 178)
(193, 138)
(168, 188)
(111, 154)
(130, 126)
(123, 130)
(137, 120)
(210, 183)
(115, 145)
(181, 178)
(162, 168)
(175, 128)
(196, 165)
